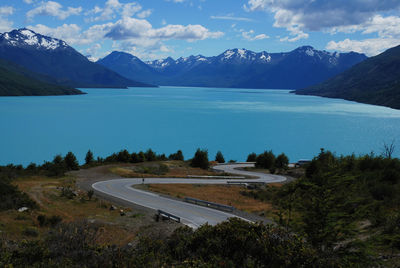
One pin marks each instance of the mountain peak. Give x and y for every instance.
(24, 37)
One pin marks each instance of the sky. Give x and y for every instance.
(155, 29)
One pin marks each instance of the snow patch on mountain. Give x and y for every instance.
(23, 37)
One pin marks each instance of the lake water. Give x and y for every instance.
(235, 121)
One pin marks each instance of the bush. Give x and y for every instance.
(265, 160)
(90, 194)
(219, 157)
(282, 161)
(29, 231)
(123, 156)
(150, 155)
(46, 221)
(251, 157)
(89, 158)
(200, 159)
(70, 161)
(176, 156)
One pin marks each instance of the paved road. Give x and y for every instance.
(190, 214)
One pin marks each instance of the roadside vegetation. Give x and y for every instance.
(346, 207)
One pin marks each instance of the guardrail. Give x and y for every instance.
(245, 182)
(164, 214)
(217, 177)
(209, 204)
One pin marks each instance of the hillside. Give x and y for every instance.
(56, 59)
(373, 81)
(237, 68)
(17, 81)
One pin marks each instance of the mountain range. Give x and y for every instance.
(56, 60)
(238, 68)
(374, 81)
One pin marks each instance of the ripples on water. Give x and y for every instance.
(235, 121)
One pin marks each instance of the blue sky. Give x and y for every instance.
(154, 29)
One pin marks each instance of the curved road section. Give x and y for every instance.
(190, 214)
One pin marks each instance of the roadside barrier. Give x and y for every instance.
(209, 204)
(167, 215)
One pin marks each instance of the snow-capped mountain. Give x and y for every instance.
(28, 38)
(57, 61)
(299, 68)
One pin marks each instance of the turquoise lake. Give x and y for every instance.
(235, 121)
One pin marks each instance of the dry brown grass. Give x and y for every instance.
(177, 169)
(47, 193)
(223, 194)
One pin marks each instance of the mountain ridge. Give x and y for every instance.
(374, 81)
(298, 68)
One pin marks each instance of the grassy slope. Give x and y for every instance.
(373, 81)
(17, 81)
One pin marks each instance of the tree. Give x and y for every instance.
(141, 157)
(219, 157)
(251, 157)
(176, 156)
(89, 158)
(70, 161)
(200, 159)
(282, 161)
(57, 160)
(124, 156)
(150, 155)
(388, 149)
(265, 160)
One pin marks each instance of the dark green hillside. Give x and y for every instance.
(374, 81)
(17, 81)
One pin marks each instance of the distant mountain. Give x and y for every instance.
(54, 58)
(374, 81)
(18, 81)
(238, 68)
(129, 66)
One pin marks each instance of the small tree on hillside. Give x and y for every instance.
(251, 157)
(282, 161)
(150, 155)
(89, 158)
(266, 160)
(123, 156)
(176, 156)
(219, 157)
(70, 161)
(200, 159)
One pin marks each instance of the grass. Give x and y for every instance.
(223, 194)
(175, 169)
(47, 193)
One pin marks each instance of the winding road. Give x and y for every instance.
(190, 214)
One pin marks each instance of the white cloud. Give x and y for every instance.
(92, 53)
(387, 29)
(113, 8)
(54, 9)
(298, 16)
(131, 9)
(251, 37)
(144, 13)
(28, 2)
(70, 33)
(5, 23)
(371, 47)
(130, 28)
